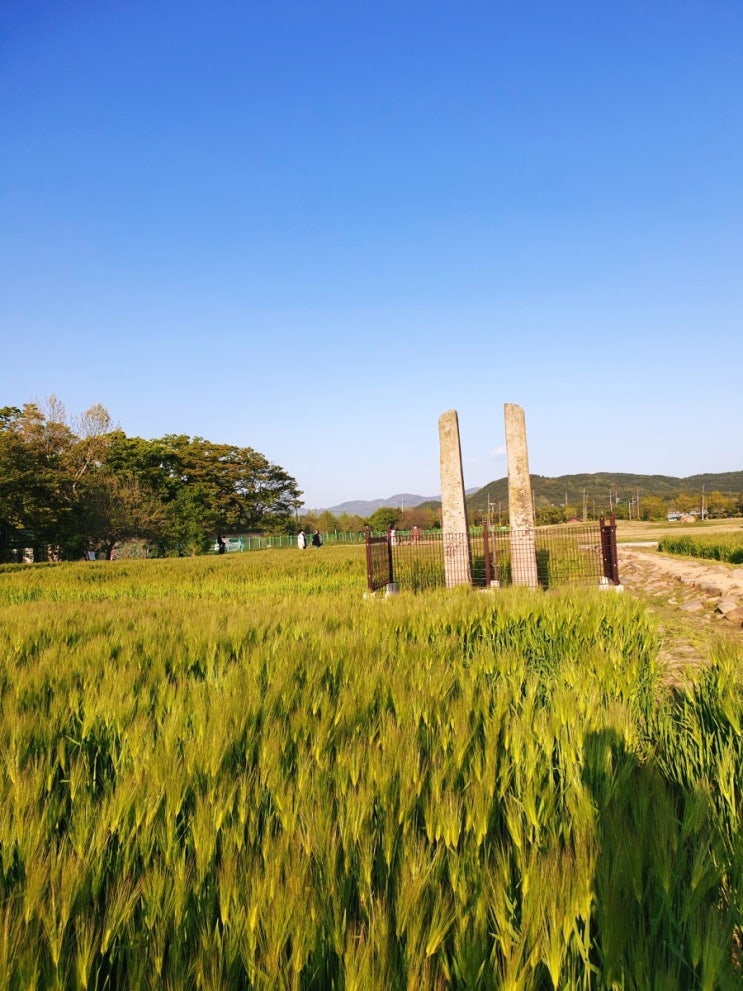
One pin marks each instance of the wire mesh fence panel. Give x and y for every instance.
(482, 556)
(418, 559)
(568, 554)
(343, 537)
(378, 562)
(565, 555)
(418, 565)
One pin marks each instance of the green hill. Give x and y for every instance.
(605, 489)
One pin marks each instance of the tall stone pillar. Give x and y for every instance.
(457, 565)
(520, 505)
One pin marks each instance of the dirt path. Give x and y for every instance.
(698, 602)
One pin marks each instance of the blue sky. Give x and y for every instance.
(312, 227)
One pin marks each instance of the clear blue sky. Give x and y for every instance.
(312, 227)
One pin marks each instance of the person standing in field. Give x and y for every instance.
(221, 546)
(316, 539)
(301, 540)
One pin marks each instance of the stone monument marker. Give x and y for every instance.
(520, 505)
(457, 564)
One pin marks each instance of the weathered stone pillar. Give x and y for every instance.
(520, 505)
(457, 565)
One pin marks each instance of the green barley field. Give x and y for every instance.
(726, 547)
(240, 772)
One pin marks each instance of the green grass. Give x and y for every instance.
(241, 772)
(714, 547)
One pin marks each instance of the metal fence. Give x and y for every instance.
(257, 542)
(568, 554)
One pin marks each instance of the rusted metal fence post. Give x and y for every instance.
(391, 586)
(609, 549)
(486, 552)
(369, 567)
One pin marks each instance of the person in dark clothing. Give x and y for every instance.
(221, 545)
(316, 539)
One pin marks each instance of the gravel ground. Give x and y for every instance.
(698, 602)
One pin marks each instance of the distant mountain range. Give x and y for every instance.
(365, 507)
(565, 489)
(570, 489)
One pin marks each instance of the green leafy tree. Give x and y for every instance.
(45, 431)
(653, 508)
(240, 488)
(327, 522)
(34, 497)
(145, 460)
(383, 518)
(719, 505)
(207, 487)
(310, 520)
(190, 522)
(17, 484)
(50, 464)
(116, 508)
(351, 523)
(430, 518)
(684, 502)
(424, 518)
(89, 444)
(548, 515)
(73, 489)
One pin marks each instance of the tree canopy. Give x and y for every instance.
(67, 488)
